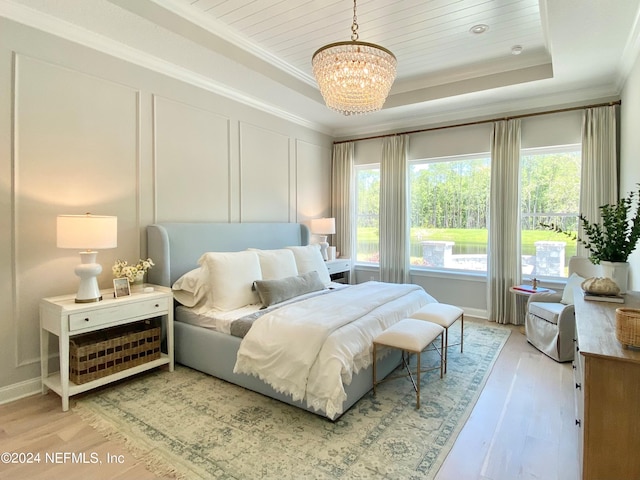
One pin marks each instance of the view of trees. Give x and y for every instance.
(454, 196)
(450, 194)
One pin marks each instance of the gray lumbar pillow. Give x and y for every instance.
(276, 291)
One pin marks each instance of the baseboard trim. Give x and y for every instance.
(14, 392)
(475, 312)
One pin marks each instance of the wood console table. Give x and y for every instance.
(607, 378)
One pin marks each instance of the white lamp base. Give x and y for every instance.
(88, 270)
(324, 245)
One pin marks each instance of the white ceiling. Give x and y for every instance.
(259, 51)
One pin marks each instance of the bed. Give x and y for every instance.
(176, 248)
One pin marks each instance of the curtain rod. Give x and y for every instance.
(480, 122)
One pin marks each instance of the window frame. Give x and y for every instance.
(423, 270)
(548, 149)
(357, 169)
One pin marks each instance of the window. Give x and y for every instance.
(549, 193)
(448, 212)
(368, 209)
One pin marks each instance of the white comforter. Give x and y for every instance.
(311, 349)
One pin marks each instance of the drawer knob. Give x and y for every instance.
(579, 386)
(573, 366)
(157, 305)
(86, 319)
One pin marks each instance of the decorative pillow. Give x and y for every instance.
(190, 289)
(230, 278)
(574, 280)
(276, 291)
(308, 259)
(276, 264)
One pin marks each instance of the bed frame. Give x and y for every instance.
(175, 249)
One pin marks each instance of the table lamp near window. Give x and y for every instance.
(87, 232)
(323, 227)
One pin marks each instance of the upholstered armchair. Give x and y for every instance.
(550, 320)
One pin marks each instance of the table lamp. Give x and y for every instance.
(323, 227)
(88, 232)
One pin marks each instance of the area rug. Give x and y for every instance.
(190, 425)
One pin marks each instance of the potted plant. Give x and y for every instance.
(611, 241)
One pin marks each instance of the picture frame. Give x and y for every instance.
(121, 287)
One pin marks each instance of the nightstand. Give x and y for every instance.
(62, 317)
(339, 269)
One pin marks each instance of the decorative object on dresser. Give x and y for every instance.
(592, 297)
(607, 389)
(612, 240)
(323, 227)
(628, 326)
(89, 232)
(601, 289)
(105, 340)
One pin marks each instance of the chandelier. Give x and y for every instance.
(354, 77)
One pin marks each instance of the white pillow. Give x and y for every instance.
(573, 281)
(230, 278)
(276, 264)
(308, 259)
(190, 289)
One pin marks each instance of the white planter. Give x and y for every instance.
(618, 272)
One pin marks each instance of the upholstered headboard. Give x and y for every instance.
(176, 247)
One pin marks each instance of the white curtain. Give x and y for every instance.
(394, 194)
(504, 262)
(599, 177)
(342, 198)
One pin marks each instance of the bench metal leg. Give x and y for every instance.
(418, 377)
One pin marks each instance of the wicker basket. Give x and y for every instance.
(98, 354)
(628, 326)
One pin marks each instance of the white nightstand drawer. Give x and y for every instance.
(103, 316)
(338, 266)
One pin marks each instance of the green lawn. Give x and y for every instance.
(466, 240)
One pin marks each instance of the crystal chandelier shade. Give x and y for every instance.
(354, 77)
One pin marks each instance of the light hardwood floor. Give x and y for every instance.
(521, 428)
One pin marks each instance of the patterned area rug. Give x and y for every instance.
(196, 426)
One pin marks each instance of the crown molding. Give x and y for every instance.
(221, 30)
(76, 34)
(630, 54)
(501, 108)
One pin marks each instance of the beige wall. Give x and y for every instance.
(83, 132)
(630, 153)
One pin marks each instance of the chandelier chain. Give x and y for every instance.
(354, 27)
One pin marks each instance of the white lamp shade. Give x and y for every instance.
(323, 226)
(88, 231)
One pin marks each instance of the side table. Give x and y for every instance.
(523, 292)
(62, 317)
(339, 269)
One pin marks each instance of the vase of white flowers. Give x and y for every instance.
(133, 273)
